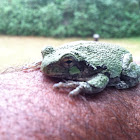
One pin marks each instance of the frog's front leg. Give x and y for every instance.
(94, 85)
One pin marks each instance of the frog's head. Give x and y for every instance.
(61, 63)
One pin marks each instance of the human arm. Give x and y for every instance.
(31, 109)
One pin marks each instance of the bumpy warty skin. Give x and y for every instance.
(94, 53)
(95, 64)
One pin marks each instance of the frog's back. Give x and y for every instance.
(94, 47)
(97, 54)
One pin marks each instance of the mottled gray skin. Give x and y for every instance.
(90, 66)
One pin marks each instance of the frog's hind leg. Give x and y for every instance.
(130, 75)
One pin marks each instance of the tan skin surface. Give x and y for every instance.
(31, 110)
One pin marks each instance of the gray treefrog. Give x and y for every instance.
(90, 66)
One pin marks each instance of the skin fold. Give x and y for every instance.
(31, 109)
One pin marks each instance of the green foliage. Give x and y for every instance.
(59, 18)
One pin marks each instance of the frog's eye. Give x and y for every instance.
(68, 62)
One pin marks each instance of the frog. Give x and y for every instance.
(89, 67)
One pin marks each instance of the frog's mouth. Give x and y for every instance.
(55, 71)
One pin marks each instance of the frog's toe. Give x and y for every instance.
(59, 85)
(76, 91)
(69, 84)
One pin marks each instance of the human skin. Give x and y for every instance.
(31, 109)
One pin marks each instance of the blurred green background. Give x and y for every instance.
(68, 18)
(28, 25)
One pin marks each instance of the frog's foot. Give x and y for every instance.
(122, 85)
(131, 74)
(78, 87)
